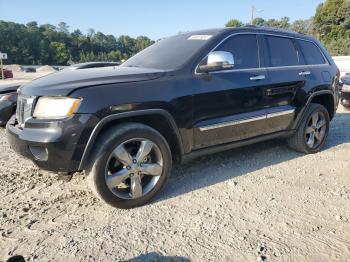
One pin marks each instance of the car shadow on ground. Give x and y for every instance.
(212, 169)
(155, 257)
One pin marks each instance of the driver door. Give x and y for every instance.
(229, 105)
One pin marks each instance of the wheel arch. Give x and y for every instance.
(159, 119)
(325, 98)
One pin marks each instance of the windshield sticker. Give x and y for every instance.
(200, 37)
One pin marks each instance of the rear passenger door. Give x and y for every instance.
(320, 70)
(288, 74)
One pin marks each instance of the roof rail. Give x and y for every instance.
(275, 29)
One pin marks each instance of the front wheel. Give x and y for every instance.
(131, 164)
(312, 131)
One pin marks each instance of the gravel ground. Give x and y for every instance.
(259, 203)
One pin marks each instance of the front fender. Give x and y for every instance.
(108, 119)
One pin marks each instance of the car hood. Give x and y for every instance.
(64, 82)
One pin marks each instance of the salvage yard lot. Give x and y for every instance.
(261, 202)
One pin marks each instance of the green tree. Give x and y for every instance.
(63, 28)
(284, 22)
(339, 47)
(272, 23)
(126, 45)
(91, 32)
(142, 42)
(234, 23)
(302, 26)
(258, 21)
(331, 25)
(59, 53)
(48, 44)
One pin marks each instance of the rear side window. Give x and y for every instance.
(311, 52)
(244, 49)
(282, 51)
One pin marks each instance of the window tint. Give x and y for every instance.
(311, 53)
(282, 51)
(244, 50)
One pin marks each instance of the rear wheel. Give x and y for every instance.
(312, 131)
(131, 164)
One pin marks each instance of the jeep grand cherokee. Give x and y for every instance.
(184, 96)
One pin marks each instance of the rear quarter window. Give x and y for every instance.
(311, 53)
(282, 51)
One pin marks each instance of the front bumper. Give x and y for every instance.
(55, 146)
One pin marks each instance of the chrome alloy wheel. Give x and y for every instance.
(316, 130)
(134, 168)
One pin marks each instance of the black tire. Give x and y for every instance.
(100, 157)
(298, 141)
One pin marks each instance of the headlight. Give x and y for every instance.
(55, 107)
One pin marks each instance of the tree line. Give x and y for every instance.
(32, 44)
(330, 24)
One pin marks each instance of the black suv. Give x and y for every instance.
(187, 95)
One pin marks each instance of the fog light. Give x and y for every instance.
(40, 153)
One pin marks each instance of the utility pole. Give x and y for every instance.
(2, 70)
(254, 11)
(253, 14)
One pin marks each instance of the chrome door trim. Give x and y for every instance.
(247, 120)
(232, 123)
(280, 113)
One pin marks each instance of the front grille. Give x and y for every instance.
(24, 108)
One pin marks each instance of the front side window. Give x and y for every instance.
(244, 49)
(282, 51)
(311, 52)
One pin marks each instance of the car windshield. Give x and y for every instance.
(169, 53)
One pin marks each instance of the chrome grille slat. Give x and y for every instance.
(19, 110)
(24, 108)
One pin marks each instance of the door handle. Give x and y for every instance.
(259, 77)
(305, 73)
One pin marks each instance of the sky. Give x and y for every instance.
(152, 18)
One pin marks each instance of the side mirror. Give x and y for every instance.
(217, 61)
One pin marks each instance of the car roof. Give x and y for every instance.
(272, 30)
(251, 29)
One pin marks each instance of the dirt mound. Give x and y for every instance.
(45, 68)
(13, 67)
